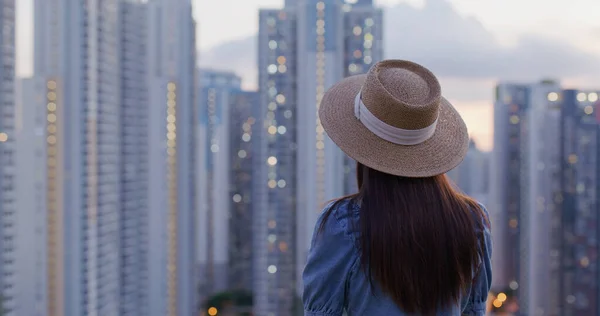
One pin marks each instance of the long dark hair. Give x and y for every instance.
(420, 238)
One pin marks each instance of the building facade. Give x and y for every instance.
(133, 217)
(8, 210)
(304, 48)
(472, 175)
(30, 242)
(107, 141)
(227, 124)
(172, 123)
(576, 280)
(510, 108)
(216, 91)
(243, 107)
(76, 49)
(554, 233)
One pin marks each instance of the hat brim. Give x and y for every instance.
(441, 153)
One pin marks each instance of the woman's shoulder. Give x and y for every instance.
(338, 221)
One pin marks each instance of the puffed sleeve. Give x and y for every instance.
(475, 303)
(331, 258)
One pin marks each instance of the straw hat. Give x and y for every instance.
(395, 120)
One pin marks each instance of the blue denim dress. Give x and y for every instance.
(334, 282)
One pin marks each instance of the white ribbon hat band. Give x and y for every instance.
(390, 133)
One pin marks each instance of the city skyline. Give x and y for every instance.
(549, 30)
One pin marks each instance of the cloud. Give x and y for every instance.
(238, 56)
(453, 46)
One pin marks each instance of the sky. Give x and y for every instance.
(469, 44)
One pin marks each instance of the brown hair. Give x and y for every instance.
(421, 240)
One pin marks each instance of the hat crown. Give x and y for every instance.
(402, 94)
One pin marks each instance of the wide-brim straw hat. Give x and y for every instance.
(395, 120)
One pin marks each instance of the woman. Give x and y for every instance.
(407, 243)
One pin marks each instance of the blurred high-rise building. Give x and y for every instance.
(215, 91)
(134, 109)
(575, 282)
(106, 140)
(227, 117)
(77, 69)
(172, 124)
(304, 48)
(555, 231)
(507, 168)
(8, 207)
(472, 175)
(563, 202)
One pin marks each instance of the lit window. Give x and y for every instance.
(283, 247)
(573, 159)
(272, 130)
(214, 148)
(272, 238)
(3, 137)
(357, 30)
(242, 154)
(593, 97)
(246, 137)
(287, 114)
(272, 269)
(272, 160)
(368, 44)
(514, 285)
(272, 224)
(272, 184)
(280, 99)
(281, 129)
(281, 60)
(552, 96)
(368, 60)
(584, 262)
(369, 22)
(357, 54)
(272, 44)
(581, 96)
(352, 67)
(282, 68)
(272, 106)
(212, 311)
(281, 183)
(320, 5)
(588, 109)
(580, 188)
(237, 198)
(272, 68)
(368, 37)
(272, 91)
(514, 119)
(51, 118)
(570, 299)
